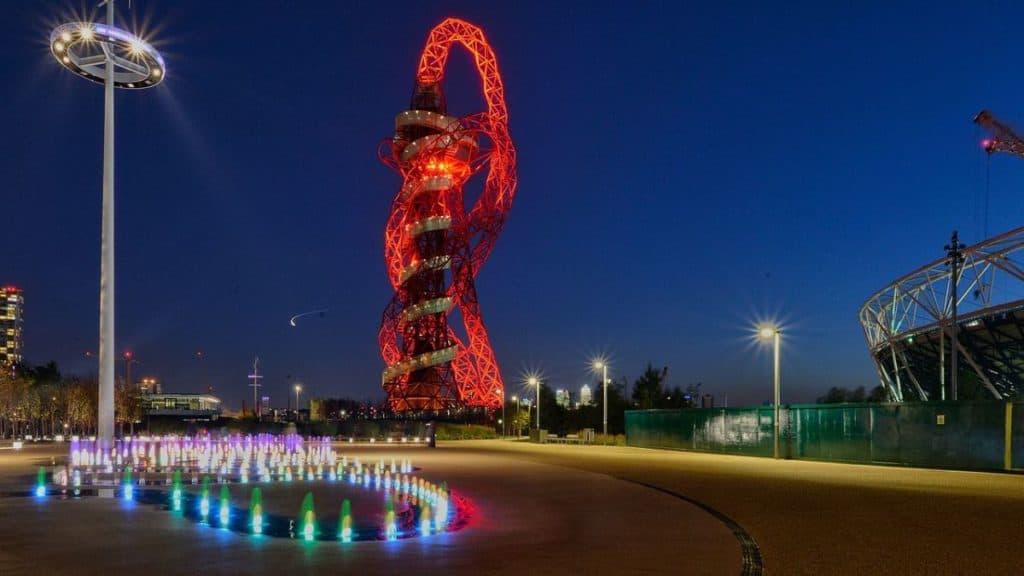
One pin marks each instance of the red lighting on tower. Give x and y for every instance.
(433, 244)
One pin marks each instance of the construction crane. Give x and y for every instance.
(1002, 138)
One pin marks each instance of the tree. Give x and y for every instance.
(82, 404)
(835, 395)
(839, 395)
(648, 389)
(10, 391)
(878, 394)
(29, 407)
(127, 404)
(521, 420)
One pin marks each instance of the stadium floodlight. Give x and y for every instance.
(115, 58)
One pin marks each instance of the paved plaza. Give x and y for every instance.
(541, 509)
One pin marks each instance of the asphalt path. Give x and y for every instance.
(828, 518)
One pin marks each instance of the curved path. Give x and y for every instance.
(828, 518)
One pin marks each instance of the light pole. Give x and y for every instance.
(534, 381)
(602, 365)
(773, 332)
(298, 390)
(503, 402)
(954, 259)
(128, 361)
(255, 377)
(518, 410)
(117, 59)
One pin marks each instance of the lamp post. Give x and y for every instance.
(503, 402)
(298, 390)
(115, 58)
(603, 367)
(129, 359)
(518, 410)
(954, 259)
(534, 381)
(773, 332)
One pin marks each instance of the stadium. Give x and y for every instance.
(908, 325)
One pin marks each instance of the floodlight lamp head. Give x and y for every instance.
(85, 48)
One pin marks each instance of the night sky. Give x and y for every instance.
(684, 171)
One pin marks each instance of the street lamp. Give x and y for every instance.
(117, 59)
(518, 409)
(771, 332)
(298, 390)
(503, 402)
(534, 381)
(602, 365)
(129, 359)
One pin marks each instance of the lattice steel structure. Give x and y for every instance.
(434, 246)
(908, 324)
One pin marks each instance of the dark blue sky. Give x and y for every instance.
(684, 170)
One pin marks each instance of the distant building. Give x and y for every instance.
(336, 409)
(183, 406)
(12, 304)
(562, 398)
(586, 396)
(149, 386)
(264, 406)
(707, 401)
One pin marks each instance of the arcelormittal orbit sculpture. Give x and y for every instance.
(433, 244)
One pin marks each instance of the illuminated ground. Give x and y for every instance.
(573, 510)
(532, 518)
(822, 518)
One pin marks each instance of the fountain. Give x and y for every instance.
(41, 482)
(390, 529)
(176, 491)
(204, 498)
(345, 522)
(126, 481)
(225, 505)
(413, 506)
(307, 518)
(425, 519)
(256, 511)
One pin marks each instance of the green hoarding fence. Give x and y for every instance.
(963, 435)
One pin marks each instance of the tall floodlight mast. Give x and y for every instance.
(433, 245)
(117, 59)
(255, 384)
(955, 260)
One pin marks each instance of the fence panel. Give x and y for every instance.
(1017, 436)
(965, 435)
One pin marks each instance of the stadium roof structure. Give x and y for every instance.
(908, 325)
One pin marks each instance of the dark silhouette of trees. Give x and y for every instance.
(648, 390)
(839, 395)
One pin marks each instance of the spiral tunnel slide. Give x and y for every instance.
(434, 245)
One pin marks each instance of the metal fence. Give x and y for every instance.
(963, 435)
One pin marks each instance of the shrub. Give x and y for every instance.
(464, 432)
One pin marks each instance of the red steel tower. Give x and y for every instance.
(434, 245)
